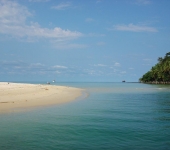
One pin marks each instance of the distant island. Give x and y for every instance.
(160, 73)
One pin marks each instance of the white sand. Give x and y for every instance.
(15, 96)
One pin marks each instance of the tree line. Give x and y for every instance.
(160, 73)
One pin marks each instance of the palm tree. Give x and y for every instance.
(160, 59)
(160, 72)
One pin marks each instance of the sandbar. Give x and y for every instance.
(17, 96)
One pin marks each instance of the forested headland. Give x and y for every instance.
(160, 73)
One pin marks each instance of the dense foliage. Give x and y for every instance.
(160, 73)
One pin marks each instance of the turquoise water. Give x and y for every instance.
(113, 116)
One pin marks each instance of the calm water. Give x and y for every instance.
(114, 116)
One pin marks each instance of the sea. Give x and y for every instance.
(108, 116)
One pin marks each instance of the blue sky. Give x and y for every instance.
(82, 40)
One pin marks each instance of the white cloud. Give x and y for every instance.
(36, 65)
(59, 67)
(17, 67)
(12, 13)
(117, 64)
(67, 45)
(101, 43)
(20, 67)
(89, 20)
(98, 1)
(62, 6)
(143, 2)
(100, 65)
(123, 72)
(39, 0)
(13, 17)
(131, 68)
(93, 72)
(57, 72)
(134, 28)
(9, 63)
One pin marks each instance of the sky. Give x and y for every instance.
(82, 40)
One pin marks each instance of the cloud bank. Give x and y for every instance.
(143, 2)
(39, 0)
(14, 22)
(62, 6)
(134, 28)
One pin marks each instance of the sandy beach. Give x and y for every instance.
(18, 96)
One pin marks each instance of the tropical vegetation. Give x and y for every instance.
(160, 73)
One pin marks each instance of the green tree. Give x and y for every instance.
(160, 73)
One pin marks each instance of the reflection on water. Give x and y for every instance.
(113, 116)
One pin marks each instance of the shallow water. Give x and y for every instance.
(113, 116)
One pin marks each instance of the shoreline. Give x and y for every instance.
(156, 82)
(17, 96)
